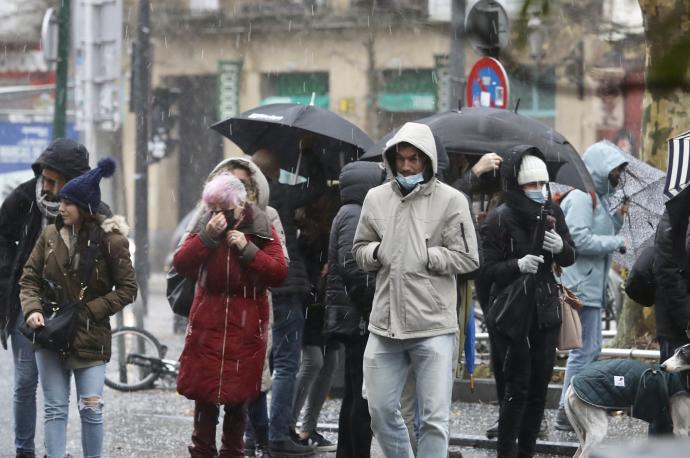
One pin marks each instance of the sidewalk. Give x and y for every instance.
(158, 422)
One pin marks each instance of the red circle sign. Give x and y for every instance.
(487, 84)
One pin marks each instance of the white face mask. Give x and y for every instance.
(537, 195)
(411, 181)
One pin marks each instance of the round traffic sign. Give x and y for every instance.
(487, 84)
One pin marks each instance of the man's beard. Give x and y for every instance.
(49, 197)
(48, 203)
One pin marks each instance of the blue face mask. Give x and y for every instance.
(537, 196)
(411, 181)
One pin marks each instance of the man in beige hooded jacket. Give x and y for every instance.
(417, 234)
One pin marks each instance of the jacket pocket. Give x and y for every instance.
(423, 306)
(380, 311)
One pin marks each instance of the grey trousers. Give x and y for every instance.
(314, 381)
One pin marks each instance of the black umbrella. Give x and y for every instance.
(280, 127)
(480, 130)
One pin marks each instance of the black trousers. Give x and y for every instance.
(354, 423)
(526, 366)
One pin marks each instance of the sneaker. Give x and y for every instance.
(562, 423)
(319, 443)
(25, 455)
(288, 448)
(492, 431)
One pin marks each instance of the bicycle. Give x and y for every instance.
(138, 360)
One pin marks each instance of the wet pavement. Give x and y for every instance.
(157, 422)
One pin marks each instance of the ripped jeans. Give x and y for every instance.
(55, 382)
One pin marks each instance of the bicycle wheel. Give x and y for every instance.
(135, 362)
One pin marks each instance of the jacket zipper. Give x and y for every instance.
(225, 329)
(464, 240)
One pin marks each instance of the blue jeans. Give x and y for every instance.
(25, 383)
(257, 412)
(590, 317)
(386, 363)
(55, 382)
(288, 326)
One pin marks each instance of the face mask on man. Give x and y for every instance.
(409, 182)
(536, 195)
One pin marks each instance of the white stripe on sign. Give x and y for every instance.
(683, 153)
(678, 164)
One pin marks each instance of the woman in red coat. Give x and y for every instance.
(235, 258)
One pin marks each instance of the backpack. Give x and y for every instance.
(640, 285)
(180, 292)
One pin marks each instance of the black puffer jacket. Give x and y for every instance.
(349, 290)
(286, 199)
(672, 278)
(507, 235)
(20, 222)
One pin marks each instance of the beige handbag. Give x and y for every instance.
(570, 335)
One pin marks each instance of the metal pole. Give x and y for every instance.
(141, 94)
(62, 69)
(91, 41)
(456, 61)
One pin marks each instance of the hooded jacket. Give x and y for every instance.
(349, 290)
(416, 242)
(21, 223)
(508, 235)
(261, 188)
(225, 345)
(111, 287)
(593, 229)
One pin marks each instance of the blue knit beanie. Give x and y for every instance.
(84, 190)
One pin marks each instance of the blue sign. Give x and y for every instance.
(22, 143)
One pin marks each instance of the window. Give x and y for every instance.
(298, 87)
(408, 91)
(537, 92)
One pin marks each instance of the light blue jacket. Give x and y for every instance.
(593, 229)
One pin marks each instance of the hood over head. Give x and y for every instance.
(258, 178)
(65, 156)
(357, 178)
(601, 158)
(418, 135)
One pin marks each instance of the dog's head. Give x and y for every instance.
(680, 361)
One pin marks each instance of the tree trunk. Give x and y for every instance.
(667, 94)
(665, 114)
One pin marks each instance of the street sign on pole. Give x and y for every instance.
(49, 36)
(487, 84)
(98, 65)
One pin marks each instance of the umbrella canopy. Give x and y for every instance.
(480, 130)
(280, 127)
(643, 185)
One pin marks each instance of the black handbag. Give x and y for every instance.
(180, 292)
(61, 317)
(510, 311)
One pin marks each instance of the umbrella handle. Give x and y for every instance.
(299, 162)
